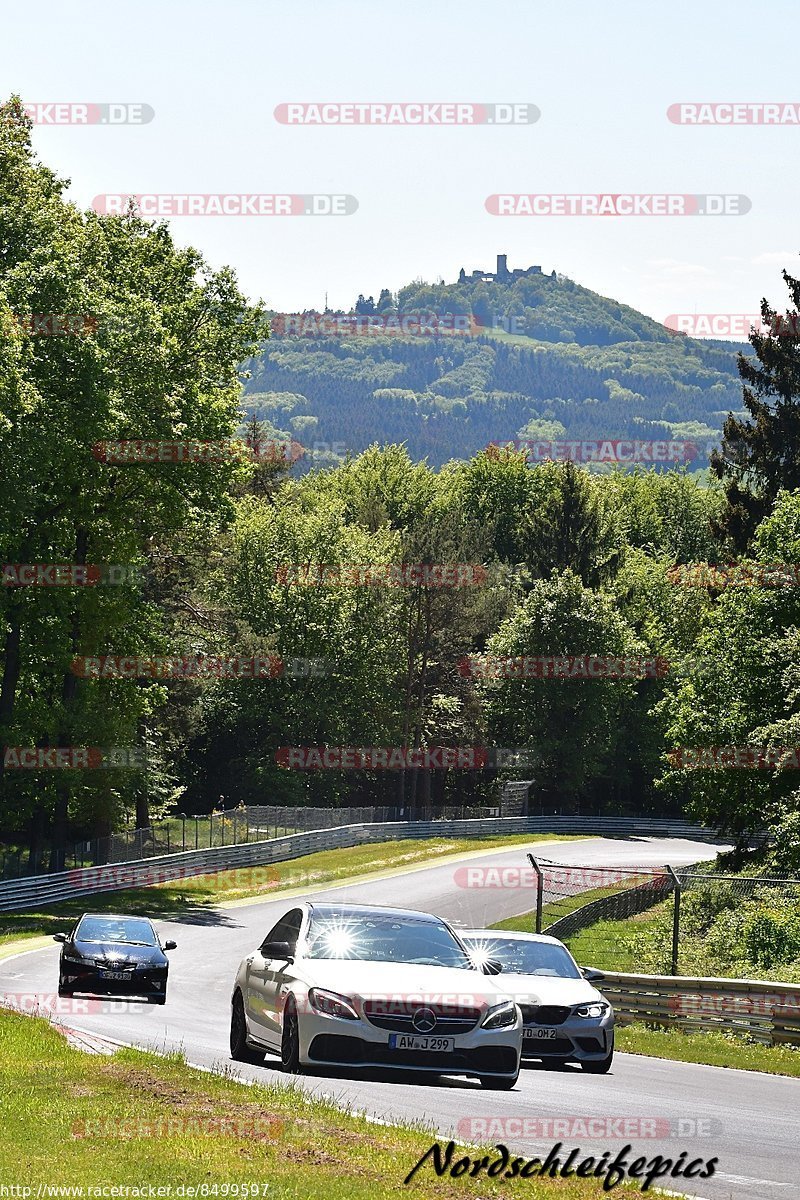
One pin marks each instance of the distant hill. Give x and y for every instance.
(547, 359)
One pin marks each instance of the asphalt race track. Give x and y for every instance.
(748, 1120)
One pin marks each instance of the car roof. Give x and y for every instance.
(518, 935)
(373, 910)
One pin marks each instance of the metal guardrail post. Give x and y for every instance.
(676, 920)
(539, 891)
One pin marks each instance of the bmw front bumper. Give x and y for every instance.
(577, 1039)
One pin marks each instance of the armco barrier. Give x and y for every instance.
(767, 1011)
(33, 891)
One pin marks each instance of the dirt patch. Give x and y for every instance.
(252, 1120)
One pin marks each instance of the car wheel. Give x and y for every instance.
(240, 1051)
(600, 1066)
(290, 1041)
(499, 1083)
(63, 988)
(158, 999)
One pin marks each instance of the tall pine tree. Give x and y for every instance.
(761, 454)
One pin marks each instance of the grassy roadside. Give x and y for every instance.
(713, 1049)
(136, 1120)
(557, 909)
(183, 897)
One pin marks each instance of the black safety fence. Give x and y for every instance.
(665, 920)
(231, 827)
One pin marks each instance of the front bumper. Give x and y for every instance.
(334, 1041)
(577, 1039)
(85, 977)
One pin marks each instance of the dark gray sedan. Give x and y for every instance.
(113, 955)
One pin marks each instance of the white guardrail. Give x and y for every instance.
(768, 1012)
(33, 891)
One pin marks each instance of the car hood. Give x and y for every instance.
(546, 989)
(115, 953)
(402, 982)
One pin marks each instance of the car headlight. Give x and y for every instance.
(74, 958)
(331, 1004)
(500, 1016)
(592, 1010)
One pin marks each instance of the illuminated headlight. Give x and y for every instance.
(592, 1010)
(500, 1016)
(331, 1004)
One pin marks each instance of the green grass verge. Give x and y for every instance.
(712, 1048)
(556, 909)
(313, 870)
(136, 1120)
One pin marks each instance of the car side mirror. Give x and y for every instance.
(492, 966)
(59, 937)
(170, 945)
(277, 950)
(591, 975)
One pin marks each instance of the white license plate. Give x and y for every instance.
(412, 1041)
(540, 1034)
(113, 975)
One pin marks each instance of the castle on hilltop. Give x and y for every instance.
(502, 274)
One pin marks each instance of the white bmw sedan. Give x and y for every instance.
(565, 1018)
(356, 986)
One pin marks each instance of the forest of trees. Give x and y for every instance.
(573, 563)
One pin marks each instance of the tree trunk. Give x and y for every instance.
(11, 672)
(69, 687)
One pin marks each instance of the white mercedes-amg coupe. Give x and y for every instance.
(356, 986)
(565, 1018)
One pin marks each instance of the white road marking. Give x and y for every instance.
(749, 1179)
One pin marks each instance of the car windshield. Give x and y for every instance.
(522, 957)
(384, 939)
(110, 929)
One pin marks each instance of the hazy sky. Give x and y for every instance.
(603, 76)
